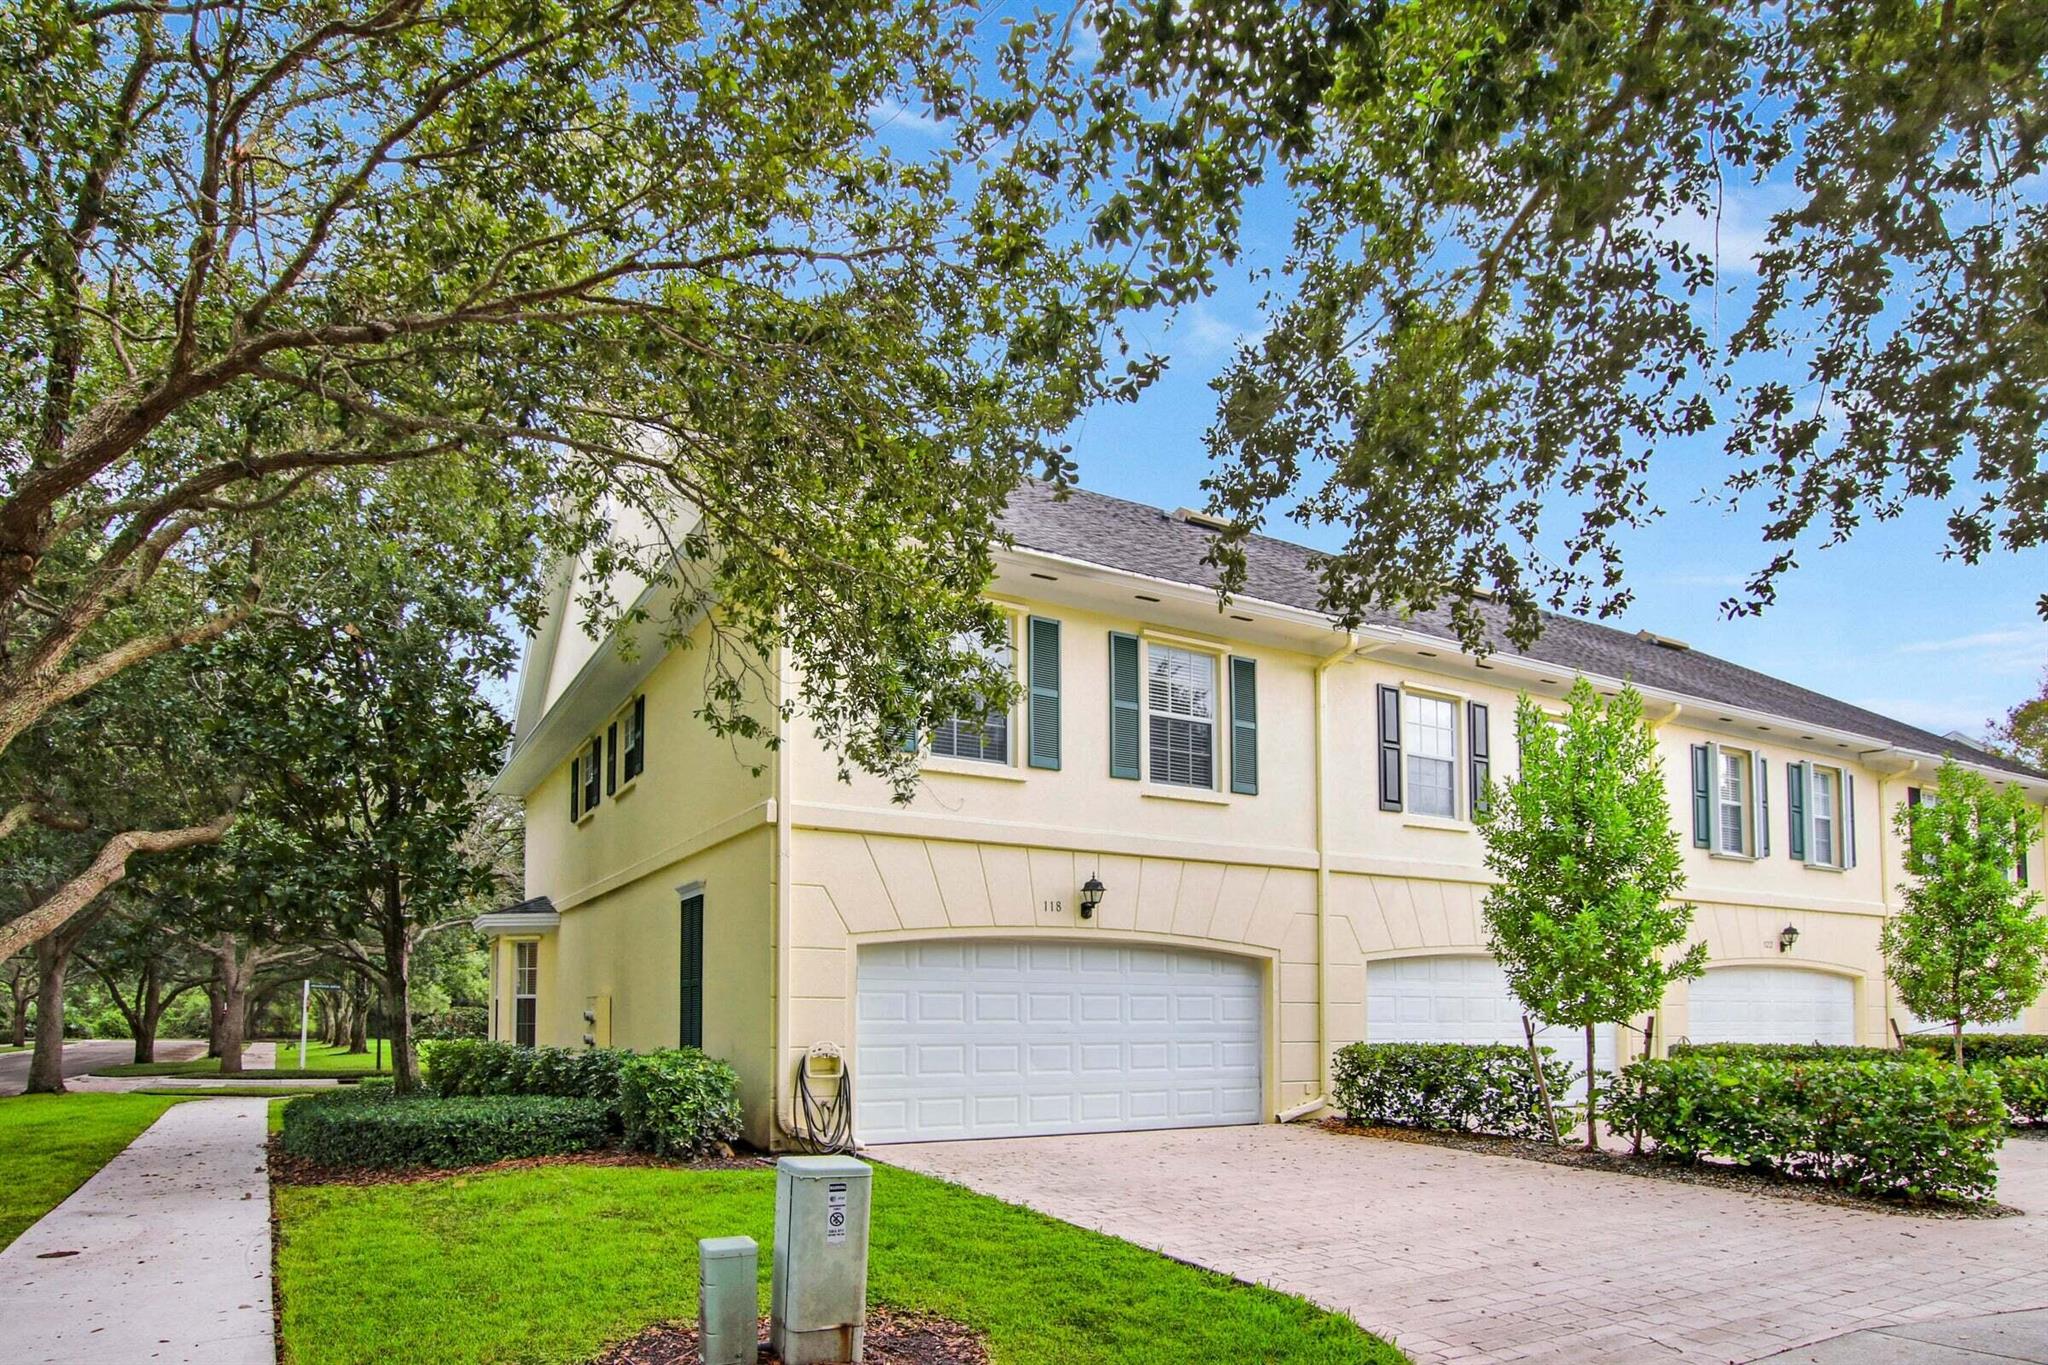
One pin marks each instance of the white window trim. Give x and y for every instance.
(1460, 817)
(1753, 821)
(518, 995)
(1841, 862)
(1007, 768)
(586, 809)
(1217, 793)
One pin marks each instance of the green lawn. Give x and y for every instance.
(322, 1060)
(51, 1144)
(326, 1057)
(550, 1264)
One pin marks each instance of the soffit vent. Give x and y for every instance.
(1661, 641)
(1208, 521)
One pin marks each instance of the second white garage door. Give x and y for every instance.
(1771, 1005)
(1002, 1038)
(1457, 998)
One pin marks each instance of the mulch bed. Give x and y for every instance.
(1736, 1178)
(893, 1337)
(286, 1169)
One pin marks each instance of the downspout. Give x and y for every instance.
(778, 1033)
(1884, 887)
(1322, 819)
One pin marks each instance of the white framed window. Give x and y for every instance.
(525, 992)
(1824, 816)
(1180, 699)
(1429, 735)
(987, 737)
(1734, 802)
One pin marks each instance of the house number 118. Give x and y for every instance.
(1053, 907)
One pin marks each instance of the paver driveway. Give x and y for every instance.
(1463, 1256)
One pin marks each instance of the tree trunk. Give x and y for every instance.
(149, 1011)
(215, 1011)
(1958, 1026)
(63, 904)
(46, 1067)
(405, 1067)
(1592, 1096)
(358, 1018)
(15, 984)
(234, 1004)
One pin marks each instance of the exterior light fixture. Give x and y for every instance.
(1787, 936)
(1091, 896)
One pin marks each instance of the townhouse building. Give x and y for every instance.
(1209, 846)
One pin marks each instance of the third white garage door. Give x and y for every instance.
(1003, 1038)
(1771, 1005)
(1457, 998)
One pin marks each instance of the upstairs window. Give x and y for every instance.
(1732, 802)
(634, 724)
(1180, 694)
(1429, 728)
(1825, 844)
(593, 775)
(983, 738)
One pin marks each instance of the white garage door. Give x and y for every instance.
(1461, 999)
(1004, 1039)
(1772, 1005)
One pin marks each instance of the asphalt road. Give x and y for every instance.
(83, 1055)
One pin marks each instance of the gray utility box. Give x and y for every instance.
(820, 1292)
(728, 1276)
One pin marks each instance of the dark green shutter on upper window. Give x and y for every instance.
(1123, 705)
(611, 759)
(1702, 796)
(1480, 747)
(1244, 726)
(1042, 654)
(1390, 747)
(691, 1028)
(1795, 810)
(636, 741)
(575, 789)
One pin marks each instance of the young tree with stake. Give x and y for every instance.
(1586, 909)
(1967, 947)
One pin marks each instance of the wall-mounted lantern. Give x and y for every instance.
(1787, 936)
(1091, 896)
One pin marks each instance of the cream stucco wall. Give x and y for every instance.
(801, 870)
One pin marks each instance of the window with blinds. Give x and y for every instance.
(1430, 735)
(984, 738)
(525, 993)
(1180, 695)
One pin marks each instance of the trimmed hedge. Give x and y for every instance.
(1982, 1047)
(1461, 1087)
(1793, 1052)
(470, 1066)
(377, 1129)
(457, 1021)
(679, 1102)
(1878, 1127)
(2023, 1082)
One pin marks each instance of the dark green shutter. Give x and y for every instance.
(1123, 705)
(1479, 746)
(1042, 652)
(692, 1023)
(1244, 726)
(1763, 807)
(575, 790)
(1702, 796)
(1795, 809)
(611, 759)
(636, 752)
(1390, 747)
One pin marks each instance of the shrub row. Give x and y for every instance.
(676, 1102)
(1468, 1087)
(471, 1066)
(457, 1021)
(373, 1128)
(1792, 1052)
(1877, 1127)
(1983, 1047)
(679, 1102)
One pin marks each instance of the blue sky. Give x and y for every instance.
(1882, 621)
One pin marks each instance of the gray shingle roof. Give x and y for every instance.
(1133, 537)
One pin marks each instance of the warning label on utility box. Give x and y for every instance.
(835, 1212)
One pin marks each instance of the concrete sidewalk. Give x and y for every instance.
(165, 1252)
(1999, 1337)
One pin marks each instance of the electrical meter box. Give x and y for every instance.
(728, 1290)
(819, 1292)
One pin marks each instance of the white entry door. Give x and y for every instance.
(1458, 998)
(1006, 1038)
(1771, 1005)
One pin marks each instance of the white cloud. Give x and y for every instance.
(2022, 650)
(1203, 334)
(1938, 716)
(1735, 235)
(892, 114)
